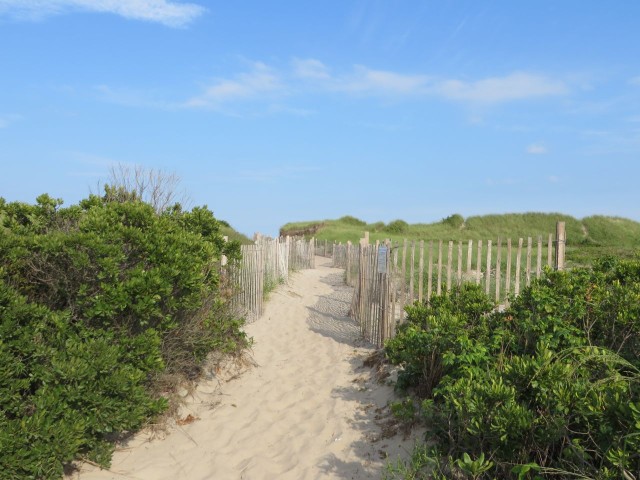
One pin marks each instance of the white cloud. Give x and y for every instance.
(635, 81)
(366, 80)
(263, 83)
(553, 179)
(310, 68)
(166, 12)
(260, 81)
(537, 149)
(363, 80)
(515, 86)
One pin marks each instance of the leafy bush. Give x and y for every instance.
(397, 226)
(454, 221)
(433, 330)
(65, 389)
(101, 303)
(552, 384)
(377, 227)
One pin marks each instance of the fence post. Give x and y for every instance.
(223, 258)
(439, 285)
(421, 272)
(561, 240)
(349, 263)
(364, 242)
(404, 273)
(487, 287)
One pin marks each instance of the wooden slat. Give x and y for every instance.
(439, 284)
(516, 289)
(412, 267)
(459, 276)
(487, 287)
(449, 261)
(498, 269)
(528, 269)
(430, 272)
(539, 258)
(421, 272)
(507, 286)
(479, 263)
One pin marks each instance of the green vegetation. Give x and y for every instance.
(587, 239)
(548, 388)
(397, 227)
(105, 308)
(228, 231)
(349, 220)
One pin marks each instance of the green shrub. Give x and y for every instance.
(397, 226)
(66, 389)
(433, 330)
(377, 227)
(100, 304)
(454, 221)
(550, 384)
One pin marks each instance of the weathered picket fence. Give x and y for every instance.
(264, 265)
(389, 276)
(324, 248)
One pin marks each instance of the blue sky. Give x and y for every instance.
(295, 110)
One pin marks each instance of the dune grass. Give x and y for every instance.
(587, 239)
(228, 231)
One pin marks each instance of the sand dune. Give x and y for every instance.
(309, 409)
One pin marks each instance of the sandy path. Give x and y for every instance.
(308, 410)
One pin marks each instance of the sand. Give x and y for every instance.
(308, 409)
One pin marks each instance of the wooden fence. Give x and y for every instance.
(374, 303)
(264, 265)
(324, 248)
(389, 276)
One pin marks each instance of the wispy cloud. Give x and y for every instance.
(537, 149)
(553, 179)
(360, 80)
(515, 86)
(635, 81)
(166, 12)
(310, 68)
(265, 85)
(261, 80)
(364, 80)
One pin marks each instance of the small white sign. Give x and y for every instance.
(382, 259)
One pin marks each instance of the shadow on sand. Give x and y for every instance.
(379, 439)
